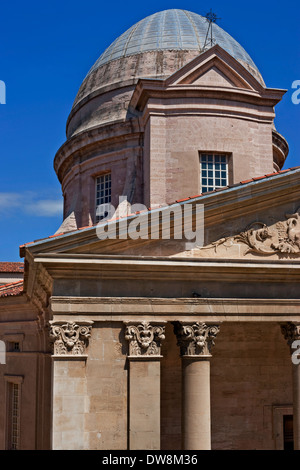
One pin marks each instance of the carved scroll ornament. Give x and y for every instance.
(291, 332)
(70, 338)
(195, 339)
(283, 237)
(144, 339)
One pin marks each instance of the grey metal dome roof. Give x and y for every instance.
(171, 30)
(154, 48)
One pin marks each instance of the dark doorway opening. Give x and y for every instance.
(288, 437)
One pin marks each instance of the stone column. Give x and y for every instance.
(144, 384)
(291, 332)
(195, 341)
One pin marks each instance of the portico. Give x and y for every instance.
(199, 386)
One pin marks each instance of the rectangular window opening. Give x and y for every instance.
(14, 416)
(213, 171)
(288, 436)
(103, 196)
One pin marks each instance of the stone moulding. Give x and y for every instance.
(195, 339)
(144, 339)
(70, 338)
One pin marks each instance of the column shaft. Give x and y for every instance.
(296, 405)
(195, 341)
(196, 404)
(291, 332)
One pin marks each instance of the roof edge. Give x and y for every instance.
(200, 197)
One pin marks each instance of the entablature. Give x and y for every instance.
(174, 309)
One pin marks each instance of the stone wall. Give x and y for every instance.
(90, 397)
(251, 372)
(28, 366)
(175, 143)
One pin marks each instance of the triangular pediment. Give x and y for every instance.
(212, 77)
(217, 68)
(214, 72)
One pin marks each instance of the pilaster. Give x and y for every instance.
(69, 341)
(144, 384)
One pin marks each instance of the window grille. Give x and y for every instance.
(14, 416)
(103, 196)
(213, 171)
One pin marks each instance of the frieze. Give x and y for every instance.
(281, 238)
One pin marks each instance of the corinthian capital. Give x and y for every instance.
(70, 338)
(195, 339)
(291, 332)
(144, 339)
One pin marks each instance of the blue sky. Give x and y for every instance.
(47, 48)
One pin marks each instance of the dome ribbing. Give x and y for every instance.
(170, 30)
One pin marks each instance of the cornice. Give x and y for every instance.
(120, 85)
(86, 142)
(153, 91)
(280, 148)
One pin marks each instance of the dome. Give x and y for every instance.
(138, 130)
(155, 47)
(171, 30)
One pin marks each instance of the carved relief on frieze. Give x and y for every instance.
(144, 338)
(281, 238)
(195, 339)
(69, 338)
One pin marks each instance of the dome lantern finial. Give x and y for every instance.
(210, 41)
